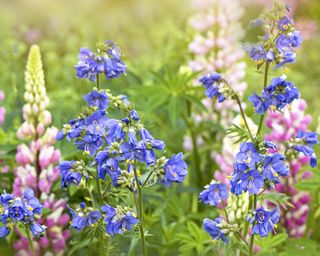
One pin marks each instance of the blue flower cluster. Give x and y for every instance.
(212, 227)
(115, 147)
(252, 170)
(214, 194)
(25, 210)
(304, 143)
(117, 220)
(84, 217)
(264, 221)
(114, 143)
(275, 96)
(107, 61)
(277, 46)
(211, 83)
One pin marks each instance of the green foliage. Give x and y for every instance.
(279, 199)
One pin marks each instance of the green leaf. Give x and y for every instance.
(173, 108)
(277, 198)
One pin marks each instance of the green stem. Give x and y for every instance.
(246, 225)
(147, 179)
(99, 191)
(239, 236)
(244, 117)
(264, 86)
(98, 82)
(30, 240)
(140, 212)
(254, 206)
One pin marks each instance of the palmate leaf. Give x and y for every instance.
(193, 241)
(94, 239)
(278, 199)
(267, 244)
(238, 133)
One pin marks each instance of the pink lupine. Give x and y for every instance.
(283, 127)
(216, 47)
(37, 159)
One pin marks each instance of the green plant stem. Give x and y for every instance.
(140, 213)
(147, 179)
(252, 235)
(99, 191)
(98, 82)
(244, 117)
(30, 240)
(246, 225)
(264, 86)
(238, 235)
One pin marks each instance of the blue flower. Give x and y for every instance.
(265, 221)
(4, 231)
(134, 115)
(270, 145)
(283, 44)
(147, 145)
(256, 51)
(280, 93)
(273, 167)
(84, 218)
(68, 175)
(248, 155)
(5, 199)
(15, 210)
(213, 229)
(258, 104)
(72, 130)
(295, 38)
(97, 99)
(115, 130)
(305, 143)
(118, 221)
(287, 57)
(270, 55)
(87, 66)
(108, 62)
(32, 202)
(108, 165)
(37, 230)
(251, 181)
(209, 81)
(284, 23)
(214, 194)
(97, 123)
(175, 170)
(89, 143)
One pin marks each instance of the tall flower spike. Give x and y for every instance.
(285, 127)
(37, 158)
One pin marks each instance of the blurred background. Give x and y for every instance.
(152, 35)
